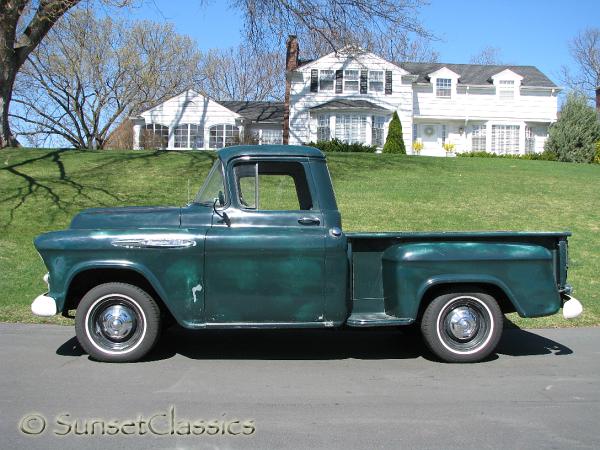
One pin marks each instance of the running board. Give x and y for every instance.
(379, 319)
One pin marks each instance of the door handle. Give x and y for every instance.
(309, 221)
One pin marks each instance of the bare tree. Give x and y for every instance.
(263, 21)
(89, 73)
(488, 55)
(584, 77)
(274, 20)
(23, 25)
(242, 73)
(395, 45)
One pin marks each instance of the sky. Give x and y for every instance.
(527, 32)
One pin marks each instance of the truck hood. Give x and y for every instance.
(128, 217)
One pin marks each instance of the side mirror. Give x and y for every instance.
(223, 215)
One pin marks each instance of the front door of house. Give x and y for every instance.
(429, 136)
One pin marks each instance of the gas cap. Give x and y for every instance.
(335, 231)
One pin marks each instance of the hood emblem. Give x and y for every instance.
(154, 243)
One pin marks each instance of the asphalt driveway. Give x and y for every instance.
(300, 389)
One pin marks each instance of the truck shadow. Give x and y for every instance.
(319, 345)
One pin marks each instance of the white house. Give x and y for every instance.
(351, 95)
(190, 120)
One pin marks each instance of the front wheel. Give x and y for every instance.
(462, 327)
(117, 322)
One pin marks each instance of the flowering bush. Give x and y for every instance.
(449, 147)
(417, 146)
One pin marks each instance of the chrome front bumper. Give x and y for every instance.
(572, 308)
(43, 306)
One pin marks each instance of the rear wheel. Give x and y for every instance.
(462, 327)
(117, 322)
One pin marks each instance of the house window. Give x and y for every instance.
(505, 139)
(377, 130)
(323, 131)
(506, 89)
(181, 136)
(351, 128)
(271, 136)
(443, 134)
(529, 140)
(326, 79)
(443, 87)
(188, 135)
(351, 80)
(155, 136)
(478, 137)
(196, 136)
(222, 135)
(376, 80)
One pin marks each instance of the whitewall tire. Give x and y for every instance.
(117, 322)
(462, 326)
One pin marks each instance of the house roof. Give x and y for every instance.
(477, 74)
(256, 111)
(348, 104)
(349, 51)
(228, 153)
(147, 108)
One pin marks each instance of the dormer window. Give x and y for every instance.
(376, 80)
(506, 89)
(351, 80)
(443, 88)
(326, 79)
(507, 84)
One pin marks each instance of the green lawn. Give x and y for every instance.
(41, 190)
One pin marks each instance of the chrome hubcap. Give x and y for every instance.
(462, 323)
(117, 322)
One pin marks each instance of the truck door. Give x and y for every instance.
(265, 261)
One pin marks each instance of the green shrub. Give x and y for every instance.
(597, 157)
(337, 146)
(394, 142)
(477, 155)
(544, 156)
(574, 136)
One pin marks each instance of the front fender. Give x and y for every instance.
(109, 264)
(175, 272)
(524, 272)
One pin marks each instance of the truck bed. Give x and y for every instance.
(391, 271)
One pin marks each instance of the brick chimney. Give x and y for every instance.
(598, 99)
(291, 64)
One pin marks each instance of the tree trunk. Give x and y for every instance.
(6, 87)
(8, 73)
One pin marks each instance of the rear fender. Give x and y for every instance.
(524, 272)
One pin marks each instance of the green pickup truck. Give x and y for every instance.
(262, 246)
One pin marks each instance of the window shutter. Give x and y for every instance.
(388, 82)
(314, 80)
(363, 81)
(339, 81)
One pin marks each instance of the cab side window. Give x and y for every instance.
(272, 186)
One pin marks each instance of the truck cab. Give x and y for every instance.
(262, 246)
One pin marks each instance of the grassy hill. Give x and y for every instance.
(40, 190)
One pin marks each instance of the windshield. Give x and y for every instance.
(212, 186)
